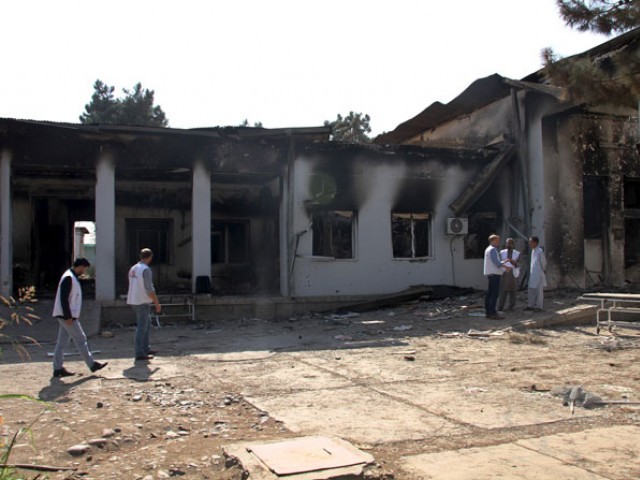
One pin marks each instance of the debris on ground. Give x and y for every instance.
(576, 396)
(472, 333)
(534, 389)
(614, 343)
(402, 328)
(345, 338)
(342, 316)
(414, 294)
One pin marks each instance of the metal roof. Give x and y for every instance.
(481, 92)
(489, 89)
(211, 132)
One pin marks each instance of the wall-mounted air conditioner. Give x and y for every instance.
(457, 226)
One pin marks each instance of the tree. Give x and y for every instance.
(602, 16)
(611, 78)
(135, 108)
(350, 129)
(245, 123)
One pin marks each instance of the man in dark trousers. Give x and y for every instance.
(493, 270)
(140, 296)
(67, 310)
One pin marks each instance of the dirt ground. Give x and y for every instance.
(389, 381)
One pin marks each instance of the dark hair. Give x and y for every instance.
(535, 240)
(81, 262)
(146, 253)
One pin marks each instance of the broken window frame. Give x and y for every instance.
(162, 249)
(224, 235)
(327, 249)
(413, 218)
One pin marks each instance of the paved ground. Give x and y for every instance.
(425, 406)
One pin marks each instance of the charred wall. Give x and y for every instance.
(588, 156)
(375, 185)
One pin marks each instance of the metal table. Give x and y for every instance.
(614, 302)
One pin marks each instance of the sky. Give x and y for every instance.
(284, 63)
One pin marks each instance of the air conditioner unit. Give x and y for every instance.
(457, 226)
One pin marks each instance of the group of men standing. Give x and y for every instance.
(502, 268)
(68, 305)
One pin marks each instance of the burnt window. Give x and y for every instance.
(153, 233)
(410, 235)
(632, 193)
(333, 234)
(230, 242)
(481, 225)
(595, 201)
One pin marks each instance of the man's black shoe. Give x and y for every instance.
(98, 366)
(528, 308)
(144, 357)
(62, 372)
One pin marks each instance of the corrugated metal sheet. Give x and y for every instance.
(481, 92)
(319, 133)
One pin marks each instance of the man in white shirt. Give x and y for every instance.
(508, 283)
(493, 270)
(537, 275)
(66, 309)
(141, 295)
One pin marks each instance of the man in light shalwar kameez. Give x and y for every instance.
(537, 275)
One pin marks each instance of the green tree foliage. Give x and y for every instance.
(350, 129)
(611, 78)
(135, 108)
(602, 16)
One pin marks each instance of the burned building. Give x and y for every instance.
(571, 176)
(273, 221)
(255, 212)
(206, 201)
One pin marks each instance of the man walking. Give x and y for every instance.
(508, 283)
(537, 275)
(141, 295)
(66, 309)
(493, 270)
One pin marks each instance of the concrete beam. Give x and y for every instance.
(201, 222)
(106, 226)
(6, 225)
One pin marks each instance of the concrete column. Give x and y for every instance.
(616, 274)
(201, 222)
(6, 225)
(284, 228)
(106, 226)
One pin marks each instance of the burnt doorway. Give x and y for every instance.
(245, 235)
(53, 237)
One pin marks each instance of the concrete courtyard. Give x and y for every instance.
(424, 404)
